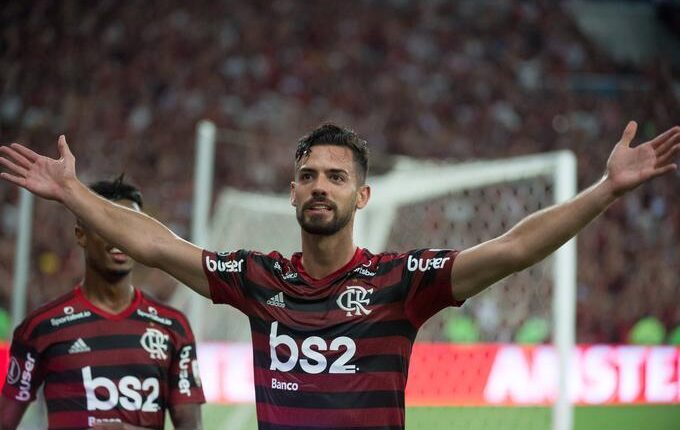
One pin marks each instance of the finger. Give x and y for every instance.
(663, 170)
(667, 145)
(629, 133)
(668, 156)
(16, 156)
(29, 154)
(16, 180)
(663, 137)
(13, 167)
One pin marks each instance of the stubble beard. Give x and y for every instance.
(316, 226)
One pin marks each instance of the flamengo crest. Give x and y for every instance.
(354, 300)
(155, 342)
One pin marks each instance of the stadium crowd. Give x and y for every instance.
(127, 83)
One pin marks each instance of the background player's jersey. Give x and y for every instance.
(334, 352)
(96, 366)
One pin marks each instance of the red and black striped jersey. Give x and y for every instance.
(98, 367)
(332, 352)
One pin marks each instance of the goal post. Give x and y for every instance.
(417, 204)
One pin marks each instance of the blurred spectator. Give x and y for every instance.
(647, 331)
(127, 83)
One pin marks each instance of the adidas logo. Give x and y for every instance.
(277, 301)
(79, 346)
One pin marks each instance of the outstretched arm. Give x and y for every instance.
(140, 236)
(541, 233)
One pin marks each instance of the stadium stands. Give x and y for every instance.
(127, 83)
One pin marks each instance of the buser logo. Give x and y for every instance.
(424, 264)
(231, 266)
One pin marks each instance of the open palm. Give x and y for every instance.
(43, 176)
(629, 167)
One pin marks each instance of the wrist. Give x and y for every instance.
(608, 191)
(71, 188)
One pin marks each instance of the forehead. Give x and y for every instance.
(325, 157)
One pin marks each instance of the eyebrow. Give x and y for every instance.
(310, 170)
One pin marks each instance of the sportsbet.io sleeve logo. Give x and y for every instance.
(155, 342)
(354, 300)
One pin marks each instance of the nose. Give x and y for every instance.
(320, 189)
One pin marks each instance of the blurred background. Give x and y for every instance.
(127, 83)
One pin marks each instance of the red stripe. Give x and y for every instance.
(80, 418)
(338, 418)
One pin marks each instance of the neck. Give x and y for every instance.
(323, 255)
(112, 296)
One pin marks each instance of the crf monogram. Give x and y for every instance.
(155, 342)
(354, 300)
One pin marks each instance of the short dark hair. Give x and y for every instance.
(331, 134)
(118, 189)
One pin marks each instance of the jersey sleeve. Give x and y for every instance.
(225, 272)
(185, 379)
(427, 273)
(25, 374)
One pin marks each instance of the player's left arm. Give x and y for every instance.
(541, 233)
(11, 412)
(186, 416)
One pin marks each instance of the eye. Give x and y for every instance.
(335, 177)
(305, 176)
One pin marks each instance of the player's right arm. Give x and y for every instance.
(140, 236)
(11, 413)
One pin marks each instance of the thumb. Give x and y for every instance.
(63, 148)
(629, 133)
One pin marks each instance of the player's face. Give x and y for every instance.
(326, 192)
(110, 262)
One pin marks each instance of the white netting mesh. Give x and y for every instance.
(466, 218)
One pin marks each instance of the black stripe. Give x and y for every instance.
(367, 364)
(267, 426)
(352, 328)
(103, 343)
(114, 372)
(328, 400)
(46, 327)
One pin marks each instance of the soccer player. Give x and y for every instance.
(110, 357)
(333, 326)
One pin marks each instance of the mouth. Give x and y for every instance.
(118, 255)
(319, 207)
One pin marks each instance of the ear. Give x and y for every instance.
(292, 194)
(81, 237)
(363, 195)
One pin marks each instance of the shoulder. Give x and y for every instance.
(233, 261)
(418, 259)
(56, 307)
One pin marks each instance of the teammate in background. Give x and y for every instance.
(333, 326)
(110, 357)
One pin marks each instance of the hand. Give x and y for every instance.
(629, 167)
(46, 177)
